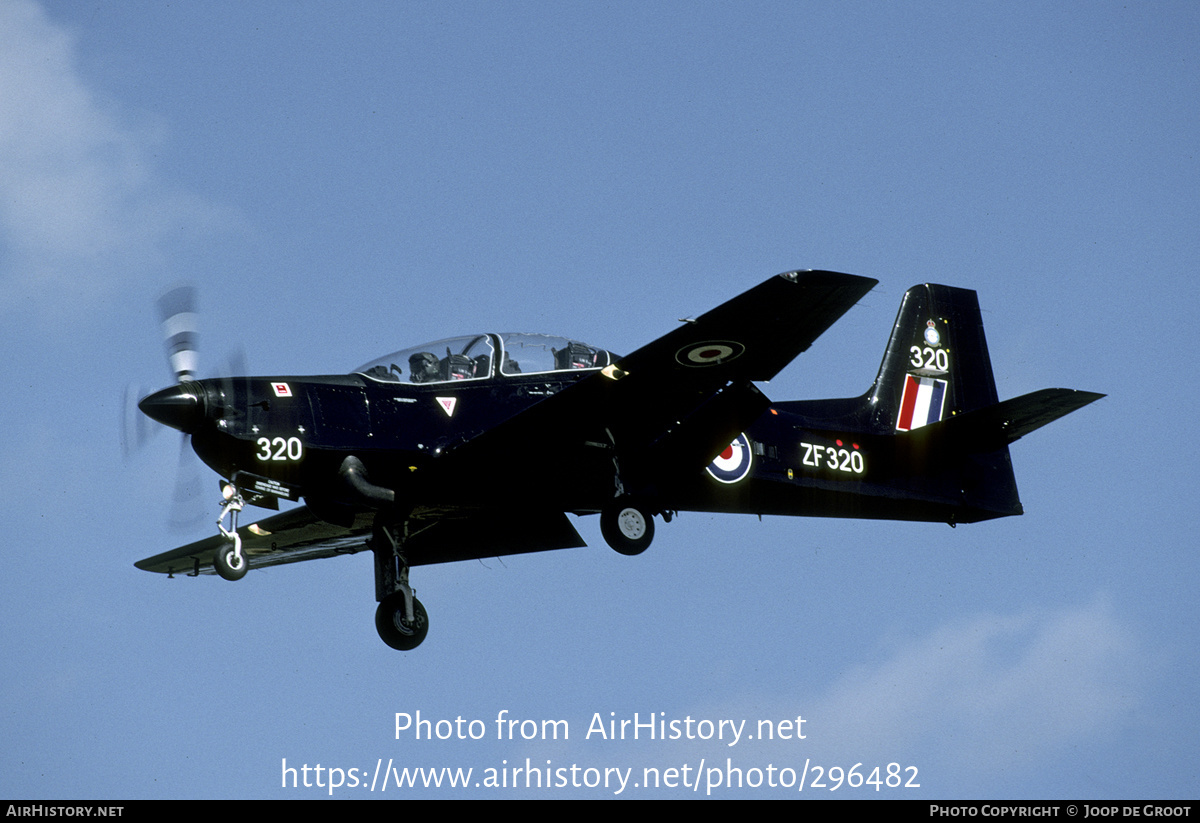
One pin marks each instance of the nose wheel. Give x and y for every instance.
(230, 563)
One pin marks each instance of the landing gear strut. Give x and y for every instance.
(229, 560)
(401, 620)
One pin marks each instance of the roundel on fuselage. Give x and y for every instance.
(733, 464)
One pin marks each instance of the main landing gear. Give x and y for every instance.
(401, 620)
(627, 522)
(628, 525)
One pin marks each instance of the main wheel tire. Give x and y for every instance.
(229, 564)
(627, 528)
(391, 621)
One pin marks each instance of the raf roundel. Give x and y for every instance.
(709, 353)
(733, 464)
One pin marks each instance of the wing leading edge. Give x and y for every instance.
(438, 537)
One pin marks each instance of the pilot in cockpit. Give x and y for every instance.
(423, 367)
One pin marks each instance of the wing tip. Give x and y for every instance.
(825, 275)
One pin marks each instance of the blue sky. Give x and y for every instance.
(343, 180)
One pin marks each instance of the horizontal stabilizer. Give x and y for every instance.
(1009, 421)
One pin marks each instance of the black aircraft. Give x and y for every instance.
(478, 446)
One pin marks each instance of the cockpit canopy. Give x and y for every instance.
(481, 356)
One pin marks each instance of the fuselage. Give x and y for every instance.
(287, 437)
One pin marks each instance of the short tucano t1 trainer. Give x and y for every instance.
(478, 446)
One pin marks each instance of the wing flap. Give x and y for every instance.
(492, 533)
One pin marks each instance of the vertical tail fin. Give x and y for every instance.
(936, 364)
(937, 368)
(936, 435)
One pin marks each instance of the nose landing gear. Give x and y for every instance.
(229, 561)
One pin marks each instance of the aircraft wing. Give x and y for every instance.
(437, 537)
(675, 403)
(754, 335)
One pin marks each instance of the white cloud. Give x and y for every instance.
(82, 212)
(992, 692)
(980, 706)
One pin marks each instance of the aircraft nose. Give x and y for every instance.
(180, 407)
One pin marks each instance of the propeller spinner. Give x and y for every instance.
(181, 407)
